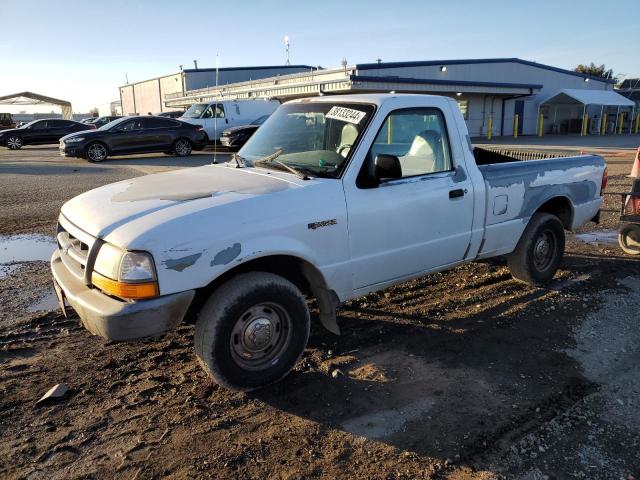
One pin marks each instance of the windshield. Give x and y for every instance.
(29, 124)
(196, 110)
(110, 125)
(316, 137)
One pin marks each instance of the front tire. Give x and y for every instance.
(96, 152)
(14, 143)
(629, 238)
(252, 331)
(539, 251)
(182, 147)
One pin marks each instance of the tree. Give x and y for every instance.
(595, 70)
(94, 112)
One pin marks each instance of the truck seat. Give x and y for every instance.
(347, 139)
(425, 154)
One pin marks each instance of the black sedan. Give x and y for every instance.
(236, 137)
(171, 114)
(129, 135)
(40, 132)
(101, 121)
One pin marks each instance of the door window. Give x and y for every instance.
(157, 123)
(132, 125)
(212, 111)
(39, 125)
(418, 137)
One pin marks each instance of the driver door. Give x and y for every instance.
(419, 222)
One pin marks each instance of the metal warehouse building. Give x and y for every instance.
(148, 96)
(490, 93)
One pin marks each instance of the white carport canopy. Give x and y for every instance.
(608, 98)
(30, 98)
(587, 98)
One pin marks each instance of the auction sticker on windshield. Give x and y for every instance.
(345, 114)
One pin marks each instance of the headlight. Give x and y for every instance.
(129, 275)
(74, 140)
(137, 267)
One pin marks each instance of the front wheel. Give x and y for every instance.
(539, 251)
(96, 152)
(252, 331)
(182, 147)
(14, 143)
(629, 238)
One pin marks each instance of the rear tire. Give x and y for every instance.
(629, 238)
(182, 147)
(539, 251)
(252, 331)
(96, 152)
(14, 143)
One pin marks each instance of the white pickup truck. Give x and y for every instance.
(332, 198)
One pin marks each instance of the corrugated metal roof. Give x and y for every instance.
(472, 61)
(440, 81)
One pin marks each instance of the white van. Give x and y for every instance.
(217, 116)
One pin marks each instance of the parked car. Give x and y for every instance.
(334, 197)
(88, 120)
(100, 121)
(236, 137)
(216, 117)
(127, 135)
(172, 114)
(40, 132)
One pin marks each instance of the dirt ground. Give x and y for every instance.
(461, 375)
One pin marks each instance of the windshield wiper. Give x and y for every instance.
(297, 171)
(240, 161)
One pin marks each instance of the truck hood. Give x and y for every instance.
(164, 196)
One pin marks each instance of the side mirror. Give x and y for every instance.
(387, 166)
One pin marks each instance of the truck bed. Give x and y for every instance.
(489, 156)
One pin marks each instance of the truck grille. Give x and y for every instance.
(75, 248)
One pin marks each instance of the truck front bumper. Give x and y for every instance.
(115, 319)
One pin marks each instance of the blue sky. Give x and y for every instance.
(80, 50)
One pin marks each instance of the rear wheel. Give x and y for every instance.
(96, 152)
(629, 238)
(14, 143)
(182, 147)
(252, 331)
(539, 251)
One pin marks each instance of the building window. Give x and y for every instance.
(463, 105)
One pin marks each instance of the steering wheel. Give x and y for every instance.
(344, 147)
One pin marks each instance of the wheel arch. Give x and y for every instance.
(561, 207)
(302, 273)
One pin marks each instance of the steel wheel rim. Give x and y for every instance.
(97, 152)
(544, 250)
(182, 147)
(14, 142)
(260, 335)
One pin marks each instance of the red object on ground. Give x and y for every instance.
(635, 170)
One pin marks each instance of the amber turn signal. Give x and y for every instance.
(129, 291)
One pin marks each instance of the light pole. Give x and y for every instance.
(286, 47)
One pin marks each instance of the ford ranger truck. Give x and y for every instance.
(332, 198)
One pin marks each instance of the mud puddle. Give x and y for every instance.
(602, 237)
(47, 303)
(17, 249)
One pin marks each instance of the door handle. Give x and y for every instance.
(456, 193)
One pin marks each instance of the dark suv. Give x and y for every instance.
(127, 135)
(40, 132)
